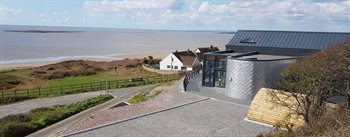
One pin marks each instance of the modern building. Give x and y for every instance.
(181, 61)
(202, 50)
(254, 59)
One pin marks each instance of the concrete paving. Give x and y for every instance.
(203, 118)
(28, 105)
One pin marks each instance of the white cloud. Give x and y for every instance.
(9, 11)
(110, 6)
(285, 12)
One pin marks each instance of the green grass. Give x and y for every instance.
(8, 100)
(101, 76)
(24, 124)
(18, 73)
(143, 96)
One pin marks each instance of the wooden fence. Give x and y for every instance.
(87, 87)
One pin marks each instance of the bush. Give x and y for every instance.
(133, 65)
(38, 73)
(317, 77)
(8, 81)
(50, 68)
(7, 100)
(24, 124)
(17, 129)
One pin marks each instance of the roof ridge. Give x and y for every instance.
(289, 31)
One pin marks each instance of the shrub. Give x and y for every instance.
(24, 124)
(8, 81)
(7, 100)
(16, 118)
(50, 68)
(317, 78)
(38, 73)
(17, 129)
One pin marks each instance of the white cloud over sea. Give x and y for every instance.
(241, 13)
(4, 10)
(308, 15)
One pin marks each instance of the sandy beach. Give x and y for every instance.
(158, 55)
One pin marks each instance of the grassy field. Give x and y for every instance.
(100, 76)
(71, 73)
(24, 124)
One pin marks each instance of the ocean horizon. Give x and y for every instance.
(33, 44)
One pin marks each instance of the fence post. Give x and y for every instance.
(2, 93)
(15, 92)
(100, 85)
(348, 92)
(117, 83)
(50, 90)
(27, 92)
(61, 90)
(91, 86)
(109, 84)
(71, 88)
(39, 92)
(81, 86)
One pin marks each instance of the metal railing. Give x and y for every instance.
(189, 76)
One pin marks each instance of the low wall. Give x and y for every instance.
(160, 71)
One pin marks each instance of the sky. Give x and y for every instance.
(228, 15)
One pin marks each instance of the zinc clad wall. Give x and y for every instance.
(244, 78)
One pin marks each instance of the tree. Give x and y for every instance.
(314, 79)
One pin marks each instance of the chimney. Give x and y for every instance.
(188, 50)
(175, 51)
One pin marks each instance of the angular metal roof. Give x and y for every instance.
(293, 43)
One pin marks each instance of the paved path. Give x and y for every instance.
(204, 118)
(198, 116)
(28, 105)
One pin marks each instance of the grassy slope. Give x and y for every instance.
(123, 72)
(101, 76)
(24, 124)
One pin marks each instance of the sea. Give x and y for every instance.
(32, 44)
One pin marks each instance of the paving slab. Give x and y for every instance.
(203, 118)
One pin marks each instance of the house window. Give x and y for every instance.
(176, 67)
(168, 66)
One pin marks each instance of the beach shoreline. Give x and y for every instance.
(26, 65)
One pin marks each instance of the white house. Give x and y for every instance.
(184, 60)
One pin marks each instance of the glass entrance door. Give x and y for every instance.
(220, 78)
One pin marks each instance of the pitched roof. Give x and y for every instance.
(208, 49)
(294, 43)
(186, 57)
(204, 50)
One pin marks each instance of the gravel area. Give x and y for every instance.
(169, 97)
